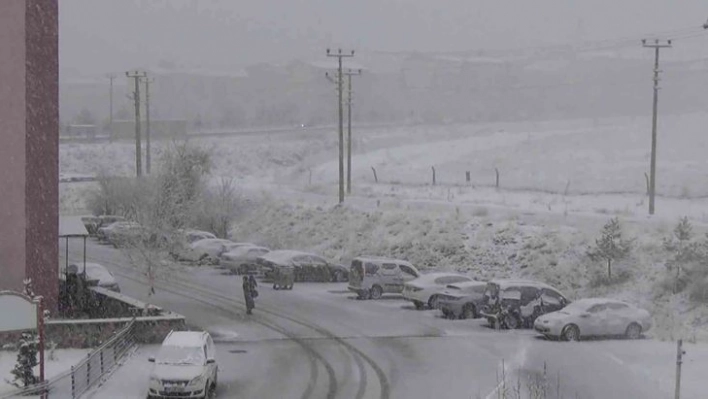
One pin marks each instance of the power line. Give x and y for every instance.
(657, 45)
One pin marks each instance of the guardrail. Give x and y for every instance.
(82, 376)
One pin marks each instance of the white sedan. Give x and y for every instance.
(594, 317)
(210, 249)
(425, 289)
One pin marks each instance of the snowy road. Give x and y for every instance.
(318, 342)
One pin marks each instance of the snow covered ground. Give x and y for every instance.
(560, 181)
(61, 361)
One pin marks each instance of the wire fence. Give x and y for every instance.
(84, 375)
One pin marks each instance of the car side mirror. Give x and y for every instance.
(211, 361)
(151, 359)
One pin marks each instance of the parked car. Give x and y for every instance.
(120, 233)
(184, 367)
(308, 266)
(179, 241)
(96, 275)
(594, 317)
(91, 224)
(209, 249)
(462, 300)
(243, 260)
(371, 277)
(425, 289)
(517, 303)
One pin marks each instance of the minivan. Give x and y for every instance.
(371, 277)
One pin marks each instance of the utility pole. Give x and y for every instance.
(340, 84)
(147, 124)
(679, 360)
(136, 76)
(657, 45)
(111, 77)
(349, 75)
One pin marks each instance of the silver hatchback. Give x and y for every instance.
(371, 277)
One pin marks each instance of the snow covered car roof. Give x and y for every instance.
(243, 250)
(186, 339)
(468, 284)
(284, 256)
(379, 259)
(505, 283)
(210, 241)
(94, 271)
(430, 277)
(588, 302)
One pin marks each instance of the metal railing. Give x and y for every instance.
(82, 376)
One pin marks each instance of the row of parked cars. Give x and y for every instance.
(504, 303)
(203, 247)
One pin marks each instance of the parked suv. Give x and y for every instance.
(371, 277)
(185, 366)
(517, 303)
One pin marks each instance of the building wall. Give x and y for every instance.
(29, 154)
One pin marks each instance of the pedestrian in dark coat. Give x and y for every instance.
(254, 284)
(248, 295)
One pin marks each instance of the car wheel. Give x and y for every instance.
(433, 302)
(468, 312)
(211, 391)
(634, 331)
(570, 333)
(418, 305)
(376, 292)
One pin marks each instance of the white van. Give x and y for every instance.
(371, 277)
(185, 366)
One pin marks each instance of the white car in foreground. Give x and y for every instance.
(594, 317)
(185, 366)
(426, 288)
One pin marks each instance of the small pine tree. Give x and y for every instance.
(26, 361)
(610, 246)
(684, 250)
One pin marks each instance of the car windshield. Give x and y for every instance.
(177, 355)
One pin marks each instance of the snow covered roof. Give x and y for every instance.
(283, 256)
(382, 259)
(433, 276)
(503, 283)
(185, 339)
(71, 226)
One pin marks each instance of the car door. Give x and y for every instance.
(552, 300)
(391, 278)
(592, 322)
(617, 318)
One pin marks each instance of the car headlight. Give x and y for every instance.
(197, 381)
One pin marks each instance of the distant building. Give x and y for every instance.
(161, 129)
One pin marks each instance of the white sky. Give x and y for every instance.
(103, 35)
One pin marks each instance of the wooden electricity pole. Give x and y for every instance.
(147, 124)
(340, 84)
(111, 77)
(136, 76)
(349, 75)
(652, 168)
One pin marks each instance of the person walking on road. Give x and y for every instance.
(248, 295)
(254, 284)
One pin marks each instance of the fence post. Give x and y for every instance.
(73, 384)
(496, 171)
(88, 371)
(376, 178)
(433, 168)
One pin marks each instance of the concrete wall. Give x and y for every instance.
(29, 133)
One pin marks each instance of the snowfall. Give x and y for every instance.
(559, 182)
